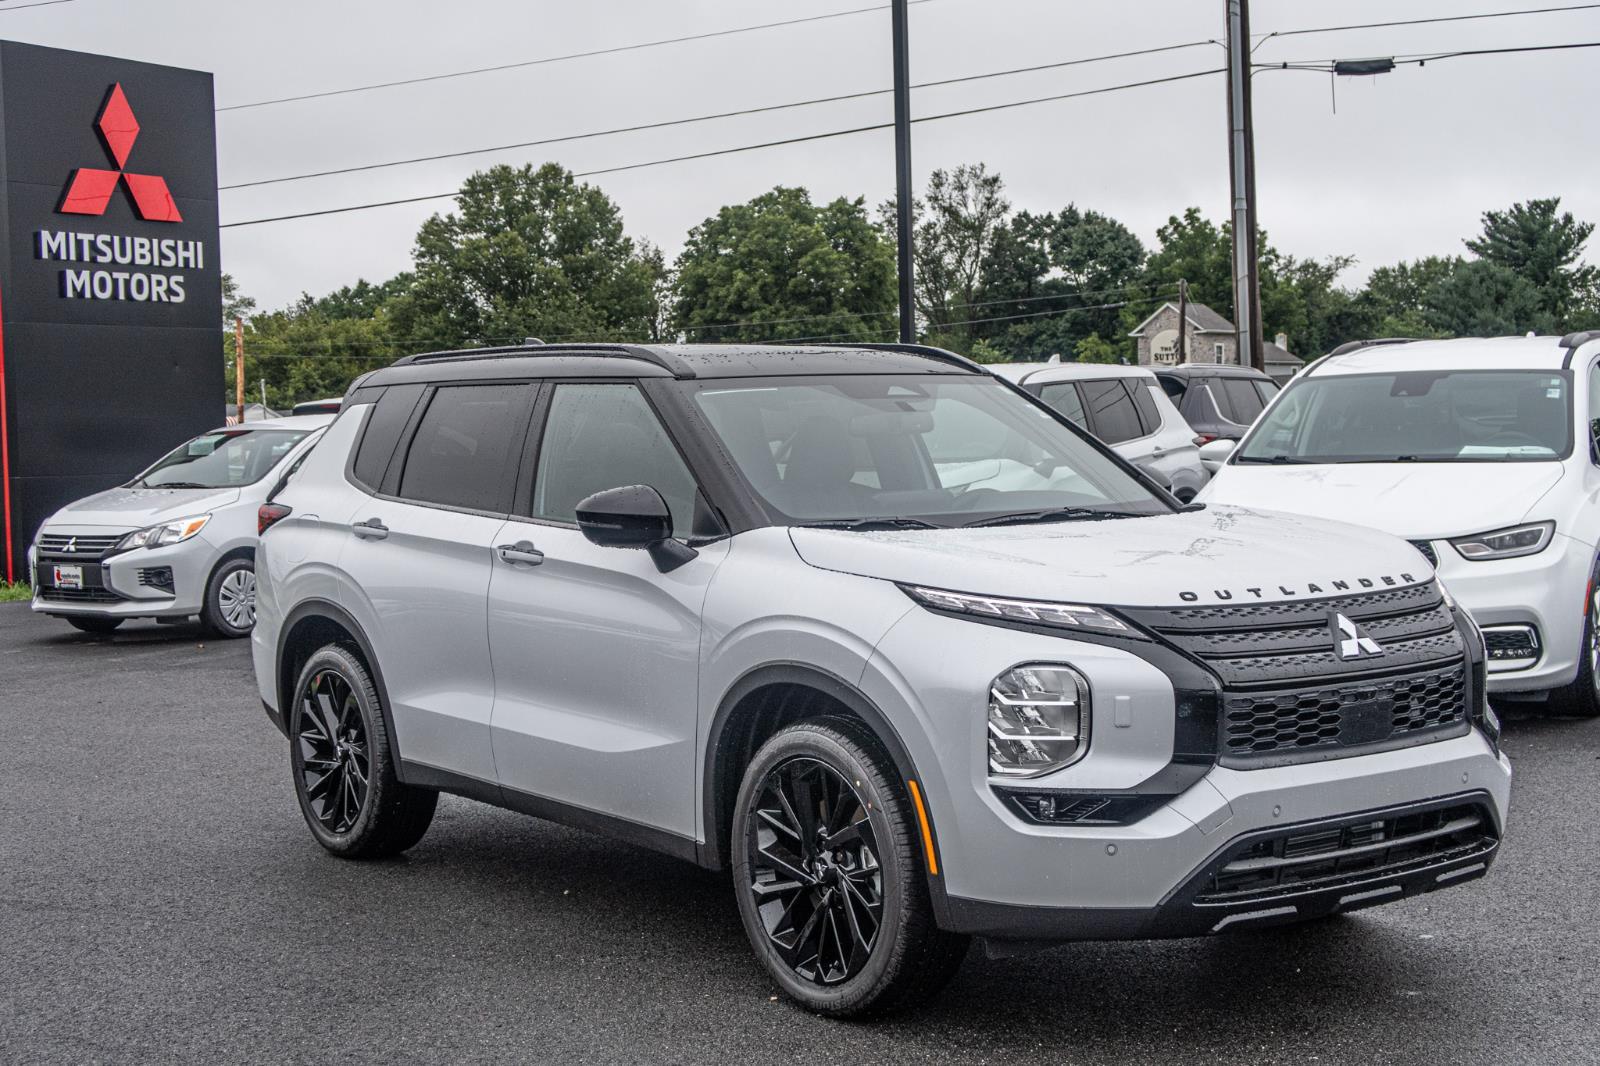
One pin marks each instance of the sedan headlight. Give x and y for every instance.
(1038, 719)
(173, 532)
(1506, 543)
(1068, 615)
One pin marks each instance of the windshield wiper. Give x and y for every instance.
(869, 523)
(176, 485)
(1053, 514)
(1282, 459)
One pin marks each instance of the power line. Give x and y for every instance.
(1263, 38)
(39, 3)
(751, 147)
(1422, 58)
(614, 50)
(719, 115)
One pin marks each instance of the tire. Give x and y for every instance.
(1581, 699)
(229, 610)
(342, 765)
(831, 777)
(92, 624)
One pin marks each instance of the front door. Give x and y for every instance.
(596, 653)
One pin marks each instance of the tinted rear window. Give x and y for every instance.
(1148, 414)
(1111, 410)
(1244, 402)
(465, 446)
(384, 425)
(1063, 396)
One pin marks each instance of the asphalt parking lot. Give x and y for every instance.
(161, 901)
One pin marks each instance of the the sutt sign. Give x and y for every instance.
(110, 331)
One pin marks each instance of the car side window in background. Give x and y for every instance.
(1149, 415)
(1111, 410)
(464, 450)
(1267, 390)
(1063, 396)
(601, 437)
(385, 422)
(1243, 398)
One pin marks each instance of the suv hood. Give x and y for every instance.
(128, 508)
(1419, 501)
(1210, 556)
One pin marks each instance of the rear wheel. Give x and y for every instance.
(91, 624)
(344, 776)
(828, 872)
(230, 605)
(1581, 699)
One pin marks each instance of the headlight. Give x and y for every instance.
(166, 533)
(1038, 719)
(1506, 543)
(1069, 615)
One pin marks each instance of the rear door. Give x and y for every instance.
(596, 653)
(419, 553)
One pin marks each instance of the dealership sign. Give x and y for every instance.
(110, 289)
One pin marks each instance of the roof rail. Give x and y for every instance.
(1579, 339)
(670, 363)
(1355, 346)
(927, 351)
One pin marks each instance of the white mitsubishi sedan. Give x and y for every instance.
(178, 540)
(1482, 453)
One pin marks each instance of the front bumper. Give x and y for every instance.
(164, 582)
(1544, 591)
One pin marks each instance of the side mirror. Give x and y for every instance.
(1214, 453)
(633, 516)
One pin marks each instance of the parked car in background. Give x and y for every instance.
(1218, 401)
(1126, 408)
(1483, 454)
(891, 642)
(178, 540)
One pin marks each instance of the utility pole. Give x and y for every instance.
(1242, 174)
(1183, 320)
(902, 169)
(238, 365)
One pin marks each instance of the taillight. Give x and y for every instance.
(270, 514)
(1203, 438)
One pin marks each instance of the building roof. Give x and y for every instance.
(1201, 317)
(1276, 356)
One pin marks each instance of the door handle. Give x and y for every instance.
(371, 529)
(522, 553)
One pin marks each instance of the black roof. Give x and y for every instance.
(1195, 370)
(670, 360)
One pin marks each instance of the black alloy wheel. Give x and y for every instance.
(815, 875)
(335, 766)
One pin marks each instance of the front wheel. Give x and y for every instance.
(344, 775)
(828, 872)
(1581, 699)
(230, 606)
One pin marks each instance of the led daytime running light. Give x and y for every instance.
(1071, 615)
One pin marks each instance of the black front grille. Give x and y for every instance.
(1346, 715)
(1428, 552)
(1316, 858)
(83, 595)
(67, 546)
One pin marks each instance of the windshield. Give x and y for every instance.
(938, 450)
(225, 459)
(1417, 416)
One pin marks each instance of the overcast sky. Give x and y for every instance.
(1403, 169)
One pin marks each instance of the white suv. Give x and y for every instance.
(910, 653)
(177, 541)
(1482, 453)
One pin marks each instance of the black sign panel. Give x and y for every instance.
(109, 279)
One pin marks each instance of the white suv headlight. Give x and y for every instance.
(1506, 543)
(173, 532)
(1038, 719)
(1069, 615)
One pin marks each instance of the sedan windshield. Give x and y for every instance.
(1471, 416)
(899, 452)
(225, 459)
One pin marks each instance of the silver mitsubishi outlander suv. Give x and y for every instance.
(913, 656)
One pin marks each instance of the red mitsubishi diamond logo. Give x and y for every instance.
(89, 191)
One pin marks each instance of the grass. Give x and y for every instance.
(18, 593)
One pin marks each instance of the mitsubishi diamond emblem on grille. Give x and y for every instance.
(72, 545)
(1350, 642)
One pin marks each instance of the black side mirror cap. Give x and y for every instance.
(633, 516)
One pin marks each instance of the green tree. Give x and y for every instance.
(1395, 299)
(527, 253)
(1544, 246)
(1192, 248)
(954, 223)
(1486, 299)
(780, 266)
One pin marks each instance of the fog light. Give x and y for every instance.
(1038, 719)
(1511, 643)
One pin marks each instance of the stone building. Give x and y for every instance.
(1210, 339)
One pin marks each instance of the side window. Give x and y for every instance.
(1243, 398)
(1063, 396)
(1594, 411)
(1111, 411)
(463, 453)
(601, 437)
(1267, 390)
(1219, 399)
(1149, 414)
(385, 422)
